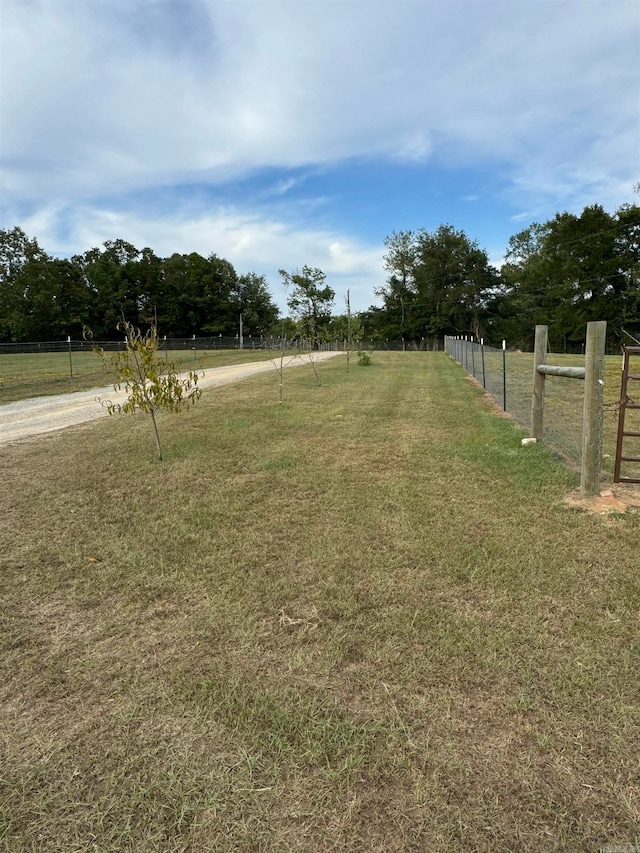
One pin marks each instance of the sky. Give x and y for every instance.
(304, 132)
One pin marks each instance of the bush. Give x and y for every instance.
(364, 358)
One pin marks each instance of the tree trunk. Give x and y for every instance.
(157, 434)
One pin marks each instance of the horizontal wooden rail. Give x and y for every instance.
(593, 375)
(570, 372)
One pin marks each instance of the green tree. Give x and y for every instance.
(628, 251)
(111, 280)
(341, 328)
(439, 283)
(251, 298)
(310, 302)
(399, 293)
(151, 383)
(453, 282)
(572, 270)
(57, 299)
(18, 254)
(198, 295)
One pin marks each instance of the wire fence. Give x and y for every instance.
(41, 368)
(214, 343)
(194, 343)
(507, 375)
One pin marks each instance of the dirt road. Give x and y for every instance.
(38, 415)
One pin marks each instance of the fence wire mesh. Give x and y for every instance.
(507, 375)
(40, 368)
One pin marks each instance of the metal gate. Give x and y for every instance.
(627, 403)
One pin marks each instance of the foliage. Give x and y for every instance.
(252, 298)
(310, 302)
(43, 297)
(438, 284)
(152, 385)
(18, 256)
(343, 328)
(569, 271)
(564, 273)
(364, 358)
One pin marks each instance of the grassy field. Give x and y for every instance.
(363, 621)
(41, 374)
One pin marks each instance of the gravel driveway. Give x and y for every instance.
(48, 414)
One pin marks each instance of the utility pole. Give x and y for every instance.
(348, 330)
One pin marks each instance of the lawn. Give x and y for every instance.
(40, 374)
(365, 620)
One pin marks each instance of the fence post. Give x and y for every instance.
(537, 400)
(484, 379)
(592, 418)
(473, 359)
(504, 375)
(70, 360)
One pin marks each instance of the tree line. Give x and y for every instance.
(42, 297)
(563, 273)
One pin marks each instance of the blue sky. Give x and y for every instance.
(278, 134)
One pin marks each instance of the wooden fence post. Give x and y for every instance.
(537, 400)
(592, 418)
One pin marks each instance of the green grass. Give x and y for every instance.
(361, 621)
(40, 374)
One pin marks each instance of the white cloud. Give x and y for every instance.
(97, 94)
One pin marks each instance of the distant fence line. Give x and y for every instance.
(211, 342)
(486, 364)
(219, 342)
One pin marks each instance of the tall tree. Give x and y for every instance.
(399, 292)
(252, 298)
(310, 301)
(110, 274)
(57, 298)
(453, 281)
(198, 295)
(572, 270)
(17, 253)
(439, 283)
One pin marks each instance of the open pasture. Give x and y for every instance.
(24, 375)
(365, 620)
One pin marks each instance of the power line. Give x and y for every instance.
(594, 234)
(450, 275)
